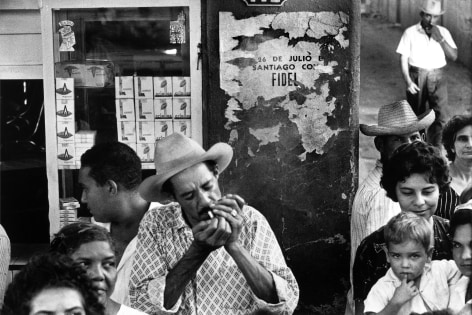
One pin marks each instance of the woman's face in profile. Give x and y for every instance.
(54, 301)
(98, 259)
(461, 249)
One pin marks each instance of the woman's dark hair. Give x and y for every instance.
(72, 236)
(115, 161)
(47, 272)
(454, 125)
(414, 158)
(460, 217)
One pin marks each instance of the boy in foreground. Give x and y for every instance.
(413, 283)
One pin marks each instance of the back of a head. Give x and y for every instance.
(414, 158)
(115, 161)
(407, 226)
(72, 236)
(48, 272)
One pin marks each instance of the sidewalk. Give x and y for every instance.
(382, 82)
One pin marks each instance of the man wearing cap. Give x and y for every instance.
(423, 49)
(397, 124)
(205, 253)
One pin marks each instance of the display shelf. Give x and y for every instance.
(92, 48)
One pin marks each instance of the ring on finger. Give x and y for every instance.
(234, 213)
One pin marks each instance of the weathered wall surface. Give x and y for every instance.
(282, 89)
(457, 19)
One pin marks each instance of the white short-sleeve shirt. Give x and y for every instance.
(423, 51)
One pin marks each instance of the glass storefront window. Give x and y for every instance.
(121, 74)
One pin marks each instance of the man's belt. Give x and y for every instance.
(417, 69)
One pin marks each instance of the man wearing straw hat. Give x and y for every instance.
(423, 49)
(205, 253)
(397, 124)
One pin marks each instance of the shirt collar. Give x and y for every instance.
(176, 220)
(420, 29)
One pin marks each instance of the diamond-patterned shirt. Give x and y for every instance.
(218, 287)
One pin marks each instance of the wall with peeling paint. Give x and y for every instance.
(296, 146)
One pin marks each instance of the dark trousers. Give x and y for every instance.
(432, 95)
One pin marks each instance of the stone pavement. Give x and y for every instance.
(382, 82)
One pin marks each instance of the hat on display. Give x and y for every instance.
(398, 118)
(432, 7)
(176, 153)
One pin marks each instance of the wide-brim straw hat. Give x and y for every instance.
(432, 7)
(398, 119)
(176, 153)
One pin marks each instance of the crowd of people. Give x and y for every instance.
(175, 244)
(411, 221)
(171, 244)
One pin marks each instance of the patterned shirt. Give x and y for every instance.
(218, 287)
(447, 203)
(371, 262)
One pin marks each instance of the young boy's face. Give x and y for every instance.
(408, 259)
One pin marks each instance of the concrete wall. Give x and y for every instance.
(458, 19)
(296, 152)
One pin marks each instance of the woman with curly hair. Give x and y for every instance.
(51, 284)
(457, 141)
(414, 177)
(91, 247)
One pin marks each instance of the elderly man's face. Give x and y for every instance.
(389, 144)
(195, 189)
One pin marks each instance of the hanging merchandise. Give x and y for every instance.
(177, 30)
(67, 36)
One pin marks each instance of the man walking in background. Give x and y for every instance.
(423, 49)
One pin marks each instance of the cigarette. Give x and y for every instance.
(210, 214)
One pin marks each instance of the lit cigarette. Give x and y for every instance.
(211, 215)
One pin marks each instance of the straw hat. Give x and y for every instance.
(176, 153)
(432, 7)
(398, 119)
